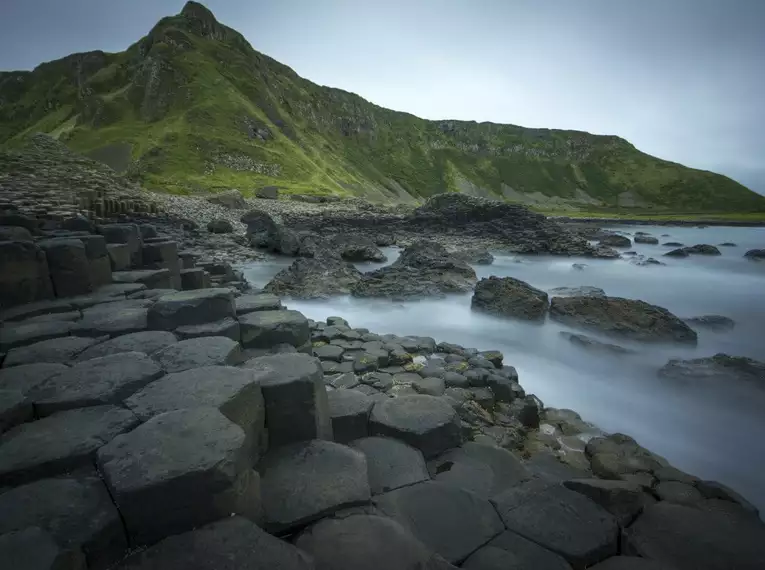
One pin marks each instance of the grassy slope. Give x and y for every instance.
(193, 107)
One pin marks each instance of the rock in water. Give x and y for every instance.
(703, 249)
(509, 297)
(314, 278)
(589, 343)
(755, 254)
(583, 291)
(627, 318)
(424, 269)
(720, 367)
(645, 238)
(712, 322)
(616, 240)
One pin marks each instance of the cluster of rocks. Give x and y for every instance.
(46, 179)
(584, 307)
(221, 430)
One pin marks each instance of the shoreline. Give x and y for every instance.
(659, 222)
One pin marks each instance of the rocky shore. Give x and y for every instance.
(156, 412)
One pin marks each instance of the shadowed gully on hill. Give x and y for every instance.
(192, 106)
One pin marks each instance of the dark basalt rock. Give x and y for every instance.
(645, 238)
(755, 254)
(685, 537)
(220, 226)
(712, 322)
(314, 278)
(589, 343)
(423, 269)
(232, 200)
(616, 240)
(628, 318)
(719, 368)
(509, 297)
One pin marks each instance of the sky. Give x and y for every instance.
(680, 79)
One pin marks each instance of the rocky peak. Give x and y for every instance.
(202, 22)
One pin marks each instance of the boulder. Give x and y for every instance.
(357, 248)
(683, 537)
(220, 226)
(179, 470)
(618, 456)
(77, 512)
(127, 234)
(720, 368)
(702, 249)
(296, 402)
(256, 302)
(366, 541)
(191, 308)
(227, 327)
(231, 199)
(198, 352)
(712, 322)
(645, 238)
(509, 297)
(234, 392)
(623, 499)
(24, 274)
(616, 240)
(267, 193)
(233, 543)
(147, 342)
(678, 252)
(264, 329)
(627, 318)
(423, 269)
(450, 521)
(391, 463)
(589, 343)
(510, 551)
(755, 254)
(562, 521)
(35, 549)
(329, 477)
(59, 443)
(68, 266)
(483, 470)
(312, 278)
(426, 422)
(104, 380)
(55, 350)
(349, 410)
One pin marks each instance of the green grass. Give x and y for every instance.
(189, 98)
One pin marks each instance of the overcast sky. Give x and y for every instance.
(680, 79)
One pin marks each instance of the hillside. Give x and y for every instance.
(192, 107)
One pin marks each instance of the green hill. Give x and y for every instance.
(192, 107)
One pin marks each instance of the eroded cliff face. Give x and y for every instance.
(192, 106)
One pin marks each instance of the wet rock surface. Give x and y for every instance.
(627, 318)
(136, 414)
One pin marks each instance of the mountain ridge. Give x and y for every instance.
(193, 107)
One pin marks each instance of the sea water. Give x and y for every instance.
(713, 430)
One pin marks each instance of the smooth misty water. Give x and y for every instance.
(714, 431)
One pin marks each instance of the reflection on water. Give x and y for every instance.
(713, 431)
